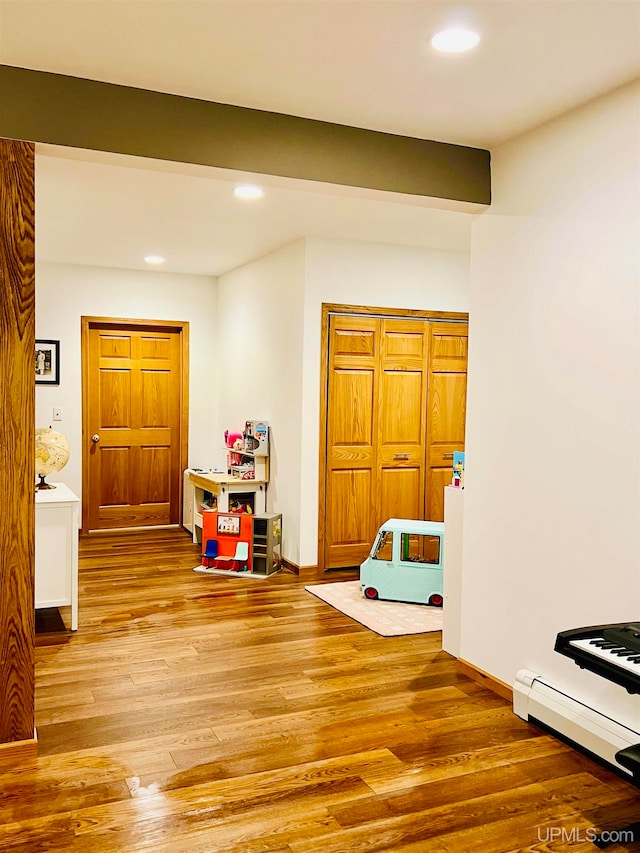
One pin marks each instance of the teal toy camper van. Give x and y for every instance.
(405, 563)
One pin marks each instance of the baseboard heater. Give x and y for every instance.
(537, 700)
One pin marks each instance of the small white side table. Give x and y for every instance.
(57, 522)
(452, 571)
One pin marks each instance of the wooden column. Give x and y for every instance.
(17, 404)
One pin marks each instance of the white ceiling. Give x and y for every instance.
(360, 62)
(115, 211)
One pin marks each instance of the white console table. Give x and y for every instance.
(57, 522)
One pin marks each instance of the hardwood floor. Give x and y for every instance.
(194, 713)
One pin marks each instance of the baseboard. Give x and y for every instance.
(292, 567)
(539, 701)
(309, 573)
(481, 677)
(315, 573)
(18, 753)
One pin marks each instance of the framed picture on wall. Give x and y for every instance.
(229, 525)
(47, 362)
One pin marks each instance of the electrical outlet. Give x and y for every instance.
(57, 414)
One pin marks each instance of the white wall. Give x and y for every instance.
(65, 292)
(259, 346)
(552, 503)
(350, 273)
(269, 325)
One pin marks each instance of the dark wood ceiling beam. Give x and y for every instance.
(53, 108)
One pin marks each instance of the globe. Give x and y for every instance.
(52, 454)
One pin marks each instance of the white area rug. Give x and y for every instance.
(387, 618)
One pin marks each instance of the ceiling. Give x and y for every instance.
(115, 211)
(366, 63)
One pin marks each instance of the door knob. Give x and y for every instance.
(95, 438)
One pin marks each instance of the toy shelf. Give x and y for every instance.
(248, 454)
(225, 489)
(262, 534)
(243, 483)
(240, 464)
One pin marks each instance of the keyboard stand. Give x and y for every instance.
(628, 757)
(619, 639)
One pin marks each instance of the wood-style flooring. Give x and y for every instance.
(194, 713)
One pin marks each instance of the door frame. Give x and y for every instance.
(328, 309)
(182, 328)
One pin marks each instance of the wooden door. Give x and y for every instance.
(446, 409)
(134, 423)
(376, 404)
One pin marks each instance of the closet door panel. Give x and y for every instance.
(400, 496)
(352, 423)
(446, 409)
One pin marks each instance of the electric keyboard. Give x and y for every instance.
(612, 651)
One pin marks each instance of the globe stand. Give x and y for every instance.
(42, 484)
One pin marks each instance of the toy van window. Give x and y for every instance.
(420, 548)
(384, 546)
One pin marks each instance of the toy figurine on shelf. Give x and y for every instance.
(458, 469)
(240, 507)
(234, 440)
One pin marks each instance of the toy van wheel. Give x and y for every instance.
(371, 592)
(436, 600)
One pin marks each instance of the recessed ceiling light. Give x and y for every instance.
(455, 40)
(248, 191)
(154, 259)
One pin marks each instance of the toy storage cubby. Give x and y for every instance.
(267, 543)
